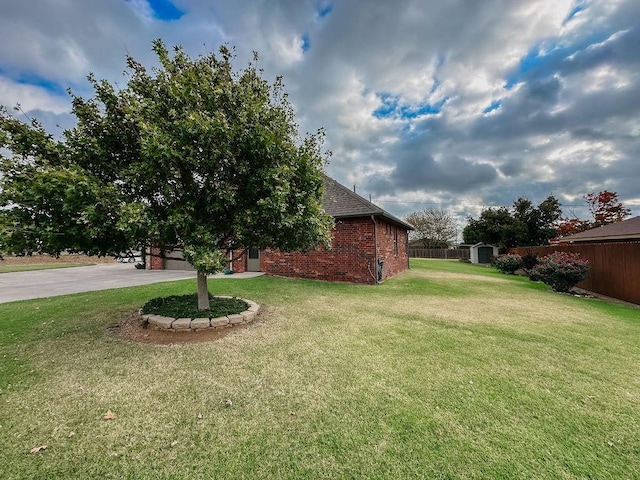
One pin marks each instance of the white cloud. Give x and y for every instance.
(31, 97)
(142, 9)
(565, 126)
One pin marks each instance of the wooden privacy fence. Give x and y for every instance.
(614, 267)
(415, 252)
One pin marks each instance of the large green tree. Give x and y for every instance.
(520, 226)
(190, 155)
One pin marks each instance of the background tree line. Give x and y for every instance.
(521, 225)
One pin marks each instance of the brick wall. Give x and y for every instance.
(392, 249)
(351, 257)
(239, 263)
(155, 260)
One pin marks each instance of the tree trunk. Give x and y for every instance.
(203, 292)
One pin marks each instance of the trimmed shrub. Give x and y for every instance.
(508, 263)
(561, 270)
(529, 261)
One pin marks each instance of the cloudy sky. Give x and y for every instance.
(457, 104)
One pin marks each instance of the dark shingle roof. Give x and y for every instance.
(340, 202)
(625, 230)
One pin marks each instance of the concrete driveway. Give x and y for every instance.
(62, 281)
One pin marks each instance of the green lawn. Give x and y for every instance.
(43, 266)
(446, 371)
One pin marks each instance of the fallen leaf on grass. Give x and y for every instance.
(109, 415)
(38, 449)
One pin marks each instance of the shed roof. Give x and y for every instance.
(341, 202)
(625, 230)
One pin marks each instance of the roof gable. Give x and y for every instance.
(341, 202)
(626, 229)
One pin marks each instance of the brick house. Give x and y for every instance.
(368, 245)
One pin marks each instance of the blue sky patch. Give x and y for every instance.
(389, 105)
(391, 108)
(164, 10)
(536, 64)
(306, 43)
(493, 106)
(578, 6)
(424, 109)
(36, 81)
(324, 9)
(533, 61)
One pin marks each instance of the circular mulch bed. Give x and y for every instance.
(161, 330)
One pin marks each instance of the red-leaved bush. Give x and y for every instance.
(561, 270)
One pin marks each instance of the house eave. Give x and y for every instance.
(377, 214)
(601, 239)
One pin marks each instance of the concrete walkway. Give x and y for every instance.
(62, 281)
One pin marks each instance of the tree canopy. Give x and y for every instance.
(605, 208)
(190, 154)
(519, 226)
(434, 228)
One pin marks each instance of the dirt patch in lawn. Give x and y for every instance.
(134, 329)
(456, 276)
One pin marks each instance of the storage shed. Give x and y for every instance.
(482, 254)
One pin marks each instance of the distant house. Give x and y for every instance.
(625, 231)
(369, 245)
